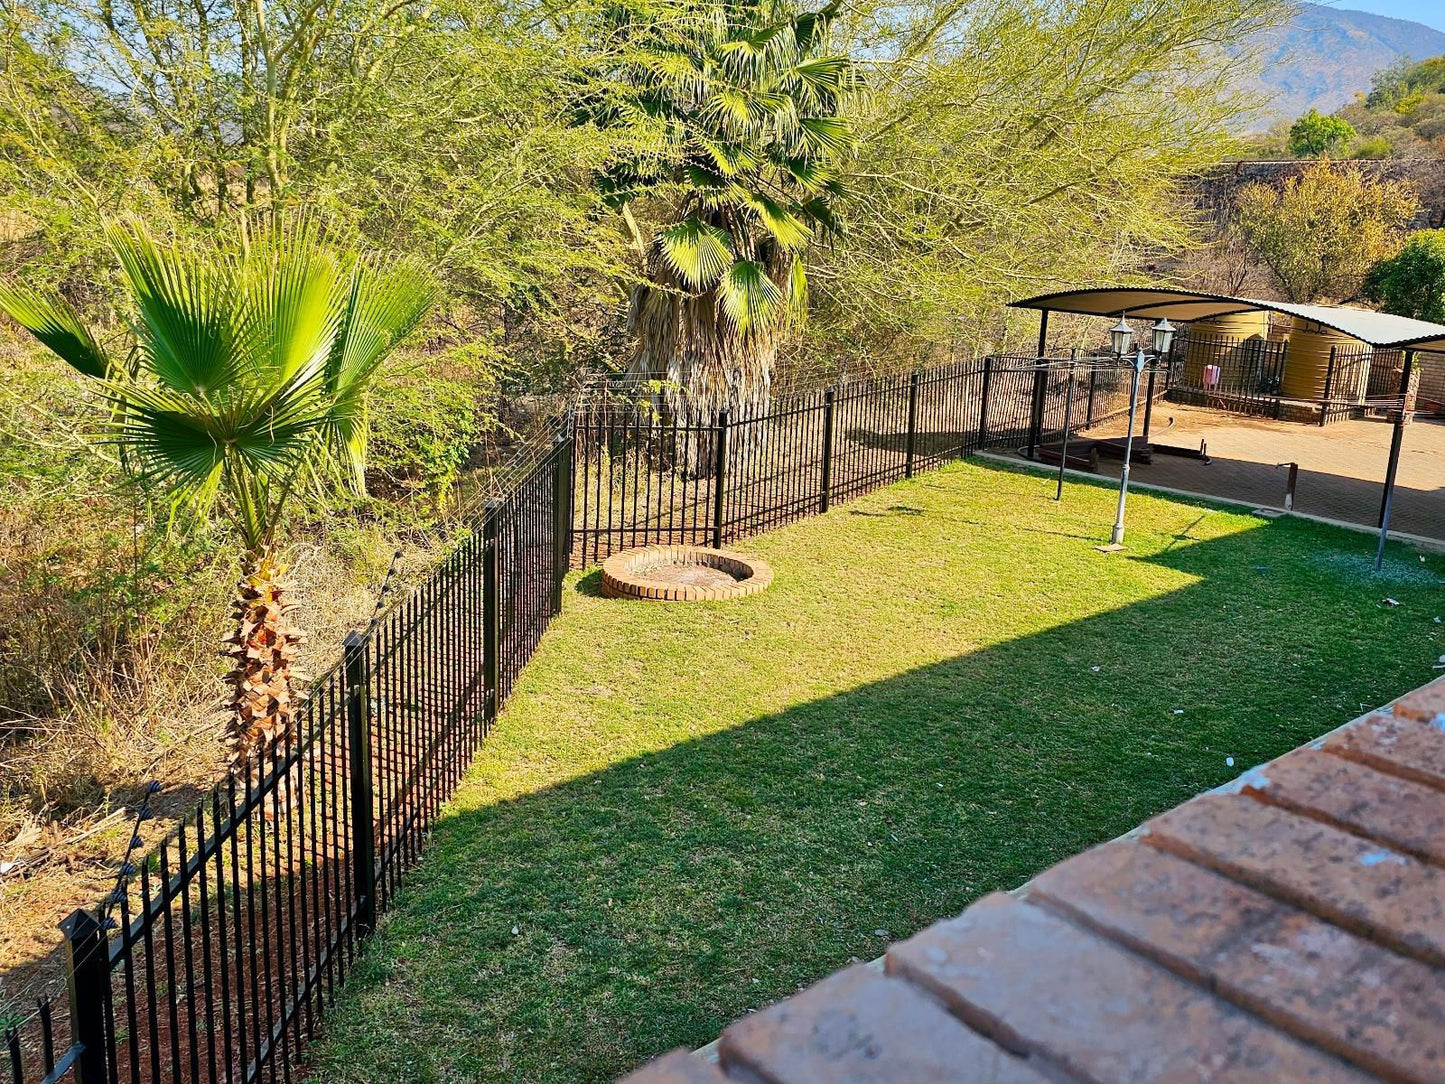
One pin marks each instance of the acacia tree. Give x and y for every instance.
(1322, 231)
(1315, 134)
(745, 99)
(246, 384)
(1009, 147)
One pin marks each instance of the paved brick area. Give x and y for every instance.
(1342, 466)
(1289, 926)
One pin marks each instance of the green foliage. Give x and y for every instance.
(424, 428)
(1412, 282)
(250, 373)
(441, 130)
(1321, 232)
(1314, 135)
(1371, 147)
(985, 169)
(1404, 80)
(747, 104)
(1403, 116)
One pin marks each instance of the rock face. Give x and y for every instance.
(1327, 54)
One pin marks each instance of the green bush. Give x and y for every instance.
(1314, 134)
(1413, 282)
(424, 426)
(1376, 146)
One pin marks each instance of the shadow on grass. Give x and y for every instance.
(574, 932)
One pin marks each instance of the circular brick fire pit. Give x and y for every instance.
(683, 574)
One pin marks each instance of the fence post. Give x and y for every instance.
(912, 424)
(1089, 408)
(719, 479)
(1329, 381)
(983, 402)
(87, 975)
(561, 515)
(491, 623)
(358, 753)
(827, 481)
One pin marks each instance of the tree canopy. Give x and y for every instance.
(998, 147)
(1322, 231)
(1315, 134)
(1412, 282)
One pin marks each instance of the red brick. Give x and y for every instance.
(1357, 883)
(1397, 745)
(1384, 1012)
(1425, 705)
(679, 1067)
(1043, 987)
(1405, 815)
(863, 1028)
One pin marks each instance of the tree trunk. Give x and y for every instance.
(263, 649)
(704, 368)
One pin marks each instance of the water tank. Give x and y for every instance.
(1227, 341)
(1307, 363)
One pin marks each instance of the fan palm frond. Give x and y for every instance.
(54, 323)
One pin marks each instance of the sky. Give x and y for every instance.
(1429, 12)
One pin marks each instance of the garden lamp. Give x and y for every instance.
(1163, 336)
(1121, 334)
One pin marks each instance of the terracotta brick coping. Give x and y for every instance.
(639, 574)
(1289, 926)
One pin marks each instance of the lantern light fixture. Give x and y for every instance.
(1121, 335)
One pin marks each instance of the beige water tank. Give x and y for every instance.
(1222, 341)
(1307, 362)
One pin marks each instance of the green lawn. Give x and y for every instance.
(689, 811)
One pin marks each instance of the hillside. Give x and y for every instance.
(1327, 55)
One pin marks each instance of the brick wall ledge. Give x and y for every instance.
(1288, 926)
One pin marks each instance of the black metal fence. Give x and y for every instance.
(1247, 376)
(218, 954)
(645, 477)
(216, 957)
(1243, 375)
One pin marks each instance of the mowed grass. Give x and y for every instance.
(687, 812)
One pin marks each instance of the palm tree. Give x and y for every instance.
(744, 100)
(246, 383)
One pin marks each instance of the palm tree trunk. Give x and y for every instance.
(263, 650)
(705, 369)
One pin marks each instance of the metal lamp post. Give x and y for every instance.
(1121, 334)
(1117, 537)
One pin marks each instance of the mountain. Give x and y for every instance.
(1327, 54)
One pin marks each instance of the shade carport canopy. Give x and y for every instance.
(1379, 329)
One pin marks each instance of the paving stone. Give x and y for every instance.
(1043, 987)
(1376, 892)
(1384, 1012)
(859, 1027)
(1401, 813)
(679, 1067)
(1342, 465)
(1393, 744)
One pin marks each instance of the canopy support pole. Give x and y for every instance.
(1397, 440)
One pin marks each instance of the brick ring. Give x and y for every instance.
(683, 574)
